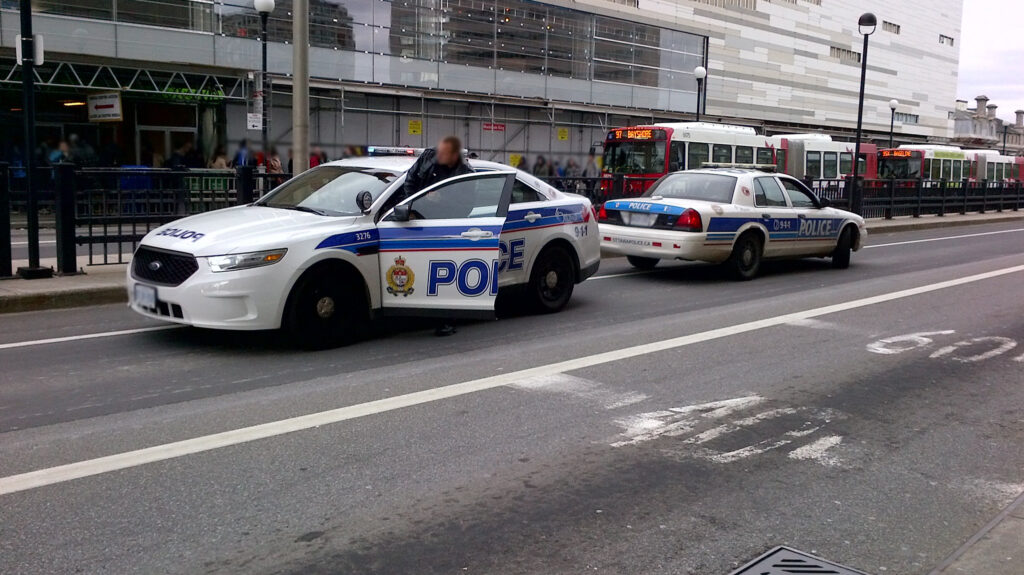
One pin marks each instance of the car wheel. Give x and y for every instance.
(841, 255)
(745, 261)
(642, 263)
(552, 280)
(320, 312)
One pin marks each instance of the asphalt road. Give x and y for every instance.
(667, 422)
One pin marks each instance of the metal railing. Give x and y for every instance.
(110, 210)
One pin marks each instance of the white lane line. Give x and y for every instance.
(70, 471)
(943, 238)
(17, 344)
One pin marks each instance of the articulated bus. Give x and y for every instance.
(648, 152)
(936, 162)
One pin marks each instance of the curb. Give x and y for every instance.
(63, 299)
(932, 222)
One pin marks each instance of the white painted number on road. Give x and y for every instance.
(967, 351)
(902, 343)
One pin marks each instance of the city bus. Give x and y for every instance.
(646, 153)
(951, 163)
(649, 152)
(817, 157)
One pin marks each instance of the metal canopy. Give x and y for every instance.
(183, 85)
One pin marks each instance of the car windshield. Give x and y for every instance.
(690, 186)
(634, 157)
(330, 190)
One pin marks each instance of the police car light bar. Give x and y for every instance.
(393, 151)
(758, 167)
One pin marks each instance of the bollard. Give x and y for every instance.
(245, 177)
(856, 194)
(6, 265)
(67, 253)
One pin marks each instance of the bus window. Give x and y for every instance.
(936, 172)
(720, 153)
(928, 166)
(958, 170)
(845, 163)
(634, 157)
(831, 166)
(697, 156)
(990, 171)
(862, 164)
(676, 156)
(947, 169)
(974, 169)
(780, 160)
(744, 155)
(813, 168)
(764, 156)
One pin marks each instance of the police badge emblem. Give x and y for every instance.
(400, 278)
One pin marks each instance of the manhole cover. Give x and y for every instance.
(784, 561)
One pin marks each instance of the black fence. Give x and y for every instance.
(110, 210)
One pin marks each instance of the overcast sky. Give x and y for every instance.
(992, 54)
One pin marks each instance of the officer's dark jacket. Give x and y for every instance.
(427, 172)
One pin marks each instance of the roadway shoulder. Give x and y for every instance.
(94, 287)
(904, 224)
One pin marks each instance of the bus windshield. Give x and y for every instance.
(634, 157)
(899, 168)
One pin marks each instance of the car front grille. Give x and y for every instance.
(163, 267)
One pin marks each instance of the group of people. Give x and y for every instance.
(570, 176)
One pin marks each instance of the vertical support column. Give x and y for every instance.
(300, 86)
(5, 222)
(67, 252)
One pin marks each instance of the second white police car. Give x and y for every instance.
(333, 247)
(730, 215)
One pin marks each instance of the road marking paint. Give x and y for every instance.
(816, 451)
(86, 468)
(678, 420)
(943, 238)
(582, 388)
(907, 342)
(1005, 345)
(18, 344)
(41, 242)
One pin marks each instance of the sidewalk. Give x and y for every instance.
(106, 283)
(998, 549)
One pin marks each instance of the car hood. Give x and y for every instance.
(242, 229)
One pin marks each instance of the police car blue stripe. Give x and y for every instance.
(350, 241)
(642, 206)
(438, 244)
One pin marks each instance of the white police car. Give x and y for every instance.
(331, 247)
(736, 216)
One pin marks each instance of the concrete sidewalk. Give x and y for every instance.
(997, 549)
(106, 283)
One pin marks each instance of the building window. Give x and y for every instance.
(890, 27)
(943, 39)
(741, 4)
(844, 55)
(906, 118)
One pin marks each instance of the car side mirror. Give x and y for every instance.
(401, 213)
(824, 203)
(364, 200)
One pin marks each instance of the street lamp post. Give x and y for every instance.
(264, 7)
(866, 26)
(892, 120)
(700, 72)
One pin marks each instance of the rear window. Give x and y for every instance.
(689, 186)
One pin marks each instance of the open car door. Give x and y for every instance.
(439, 249)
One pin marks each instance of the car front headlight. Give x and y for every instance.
(234, 262)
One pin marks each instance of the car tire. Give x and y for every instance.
(642, 263)
(745, 261)
(320, 311)
(552, 280)
(844, 247)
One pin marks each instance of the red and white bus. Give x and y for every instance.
(937, 162)
(646, 153)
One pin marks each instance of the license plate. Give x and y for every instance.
(145, 296)
(642, 220)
